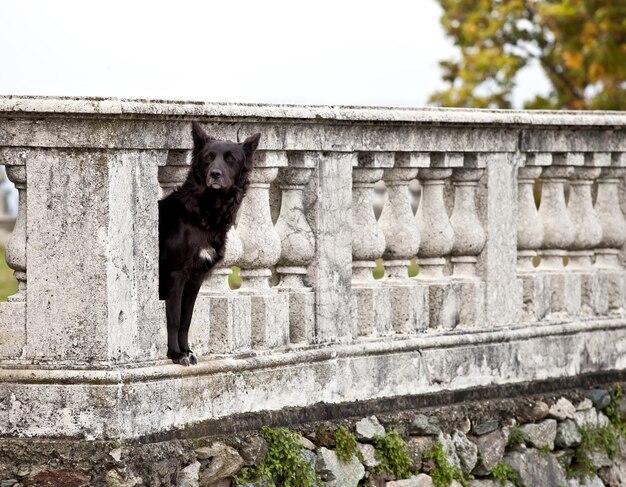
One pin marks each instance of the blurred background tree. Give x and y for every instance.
(579, 44)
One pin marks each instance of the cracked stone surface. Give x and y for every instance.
(420, 480)
(337, 473)
(567, 434)
(466, 451)
(369, 428)
(490, 450)
(562, 409)
(541, 434)
(534, 468)
(189, 476)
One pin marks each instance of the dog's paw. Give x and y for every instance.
(178, 357)
(193, 360)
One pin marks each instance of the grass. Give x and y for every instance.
(392, 453)
(612, 410)
(443, 473)
(283, 465)
(503, 473)
(346, 447)
(601, 439)
(517, 437)
(8, 284)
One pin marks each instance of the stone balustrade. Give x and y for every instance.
(575, 241)
(82, 342)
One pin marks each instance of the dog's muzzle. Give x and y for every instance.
(215, 179)
(215, 183)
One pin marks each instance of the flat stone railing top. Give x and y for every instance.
(160, 108)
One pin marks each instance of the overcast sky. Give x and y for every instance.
(347, 52)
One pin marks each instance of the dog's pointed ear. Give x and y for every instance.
(200, 137)
(250, 144)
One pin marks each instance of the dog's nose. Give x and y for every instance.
(216, 173)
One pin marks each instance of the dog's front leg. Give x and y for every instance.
(172, 313)
(190, 293)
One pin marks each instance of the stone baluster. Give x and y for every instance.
(261, 242)
(611, 218)
(297, 246)
(402, 237)
(371, 300)
(434, 224)
(16, 248)
(558, 229)
(13, 312)
(529, 225)
(409, 305)
(564, 287)
(469, 241)
(588, 229)
(437, 239)
(469, 235)
(613, 239)
(594, 296)
(535, 295)
(368, 240)
(261, 251)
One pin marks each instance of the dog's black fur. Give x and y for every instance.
(193, 222)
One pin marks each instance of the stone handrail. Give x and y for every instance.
(310, 320)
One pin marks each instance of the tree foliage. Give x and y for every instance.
(579, 44)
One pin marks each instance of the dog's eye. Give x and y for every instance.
(229, 158)
(211, 156)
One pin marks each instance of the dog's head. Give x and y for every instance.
(221, 164)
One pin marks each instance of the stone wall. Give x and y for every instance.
(564, 438)
(507, 292)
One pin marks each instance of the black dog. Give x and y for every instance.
(193, 222)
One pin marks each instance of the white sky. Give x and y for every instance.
(346, 52)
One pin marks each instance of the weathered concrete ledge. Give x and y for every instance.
(100, 107)
(71, 373)
(144, 401)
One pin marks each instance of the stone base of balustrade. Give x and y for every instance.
(594, 294)
(146, 401)
(443, 305)
(535, 297)
(269, 316)
(12, 329)
(565, 294)
(409, 306)
(471, 301)
(616, 282)
(200, 336)
(371, 307)
(301, 314)
(229, 323)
